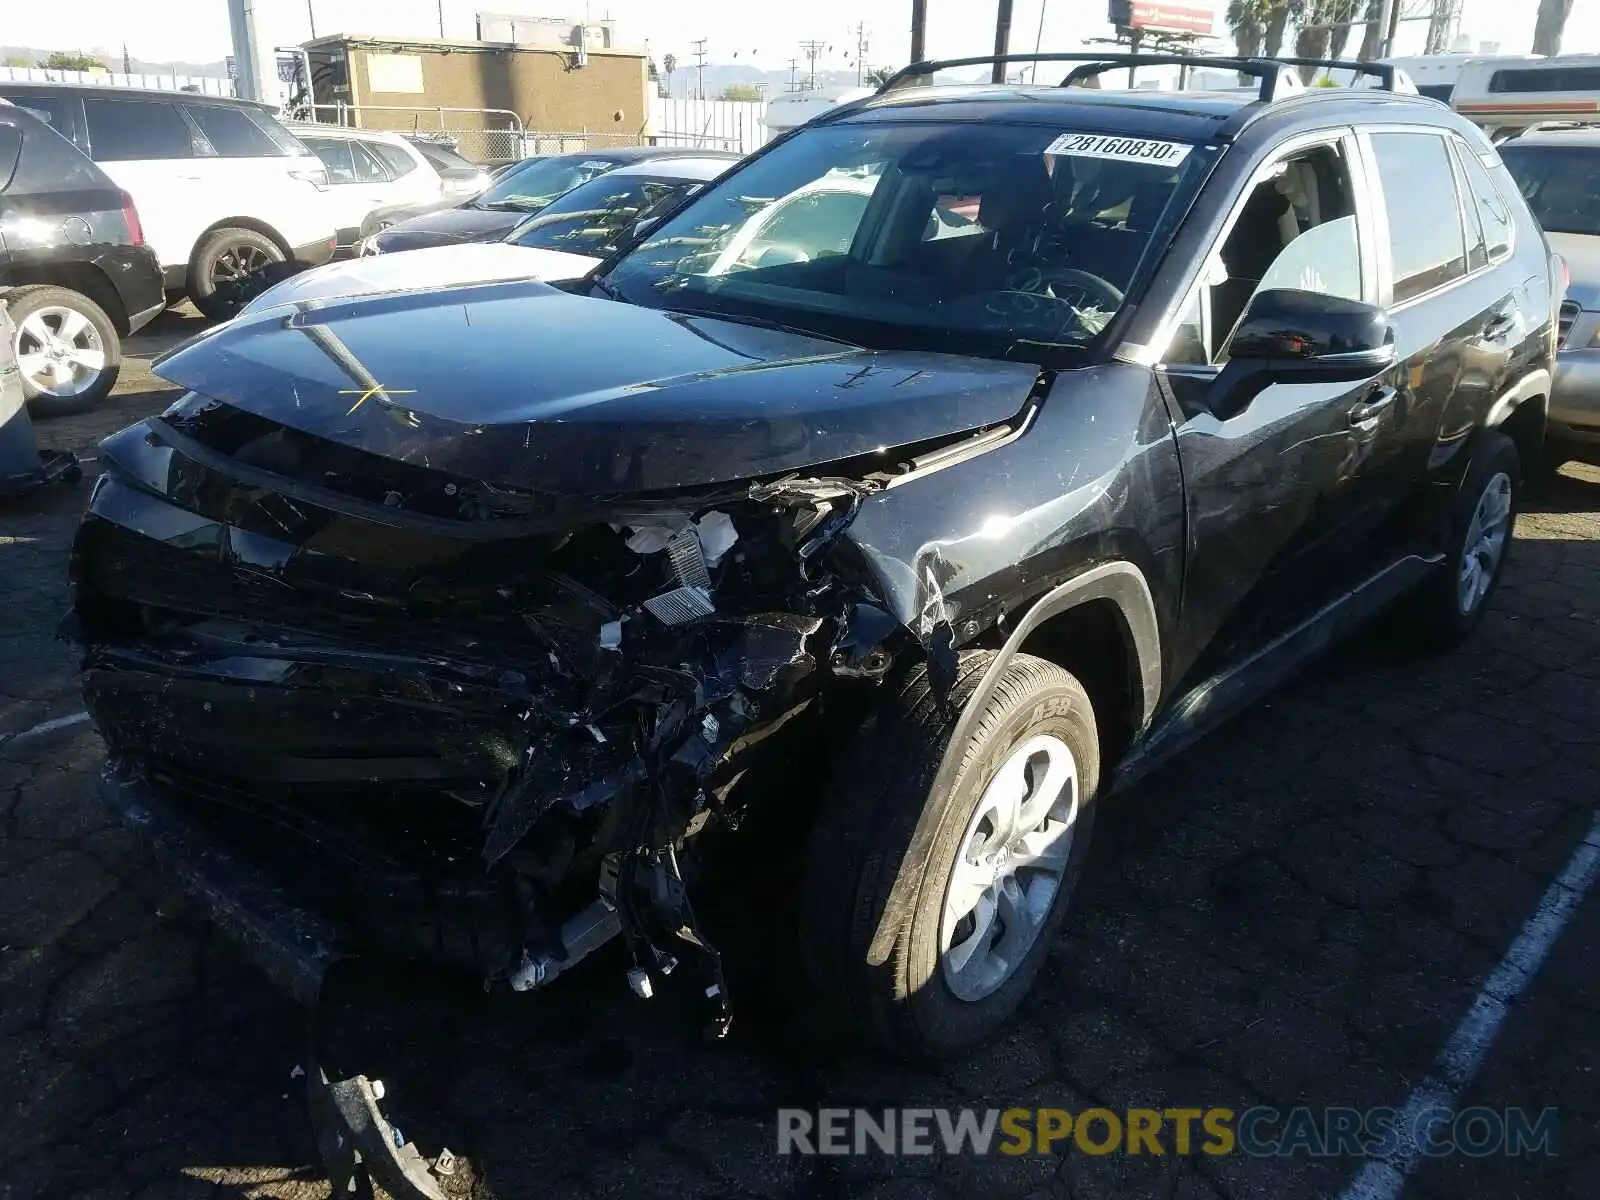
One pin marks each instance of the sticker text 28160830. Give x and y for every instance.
(1120, 149)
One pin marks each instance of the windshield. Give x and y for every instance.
(530, 186)
(442, 156)
(593, 217)
(997, 240)
(1560, 183)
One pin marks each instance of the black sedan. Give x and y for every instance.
(525, 188)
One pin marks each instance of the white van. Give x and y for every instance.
(221, 187)
(1503, 95)
(368, 169)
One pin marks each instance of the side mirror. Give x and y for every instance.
(1309, 336)
(1290, 336)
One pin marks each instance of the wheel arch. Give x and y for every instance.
(1110, 596)
(1519, 412)
(253, 224)
(81, 277)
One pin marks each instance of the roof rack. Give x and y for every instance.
(1264, 69)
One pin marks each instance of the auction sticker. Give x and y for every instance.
(1120, 149)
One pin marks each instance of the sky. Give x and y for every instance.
(766, 34)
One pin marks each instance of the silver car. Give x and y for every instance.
(1559, 173)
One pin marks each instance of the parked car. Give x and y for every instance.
(563, 242)
(462, 178)
(516, 195)
(222, 188)
(75, 271)
(368, 170)
(1558, 172)
(510, 610)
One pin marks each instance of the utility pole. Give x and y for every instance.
(919, 30)
(699, 45)
(1037, 39)
(311, 18)
(794, 70)
(861, 54)
(1002, 40)
(441, 18)
(812, 51)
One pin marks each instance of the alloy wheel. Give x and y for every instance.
(1485, 546)
(59, 352)
(1009, 867)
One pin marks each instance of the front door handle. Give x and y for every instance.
(1364, 416)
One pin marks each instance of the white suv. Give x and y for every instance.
(222, 188)
(368, 169)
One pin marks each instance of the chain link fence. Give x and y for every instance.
(487, 136)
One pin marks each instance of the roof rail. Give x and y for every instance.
(1264, 69)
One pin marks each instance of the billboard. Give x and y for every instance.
(1148, 16)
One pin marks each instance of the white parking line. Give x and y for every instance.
(50, 726)
(1463, 1054)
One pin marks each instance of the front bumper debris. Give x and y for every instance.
(292, 946)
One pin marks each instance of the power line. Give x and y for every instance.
(812, 51)
(700, 66)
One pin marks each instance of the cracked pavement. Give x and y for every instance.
(1298, 912)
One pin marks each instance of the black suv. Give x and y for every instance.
(74, 268)
(966, 452)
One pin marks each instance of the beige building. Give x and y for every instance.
(411, 85)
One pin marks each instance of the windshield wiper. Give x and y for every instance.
(759, 323)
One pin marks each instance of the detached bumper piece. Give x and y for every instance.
(355, 1139)
(293, 947)
(55, 466)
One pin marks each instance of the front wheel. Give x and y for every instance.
(927, 913)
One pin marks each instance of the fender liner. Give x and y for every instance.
(1125, 586)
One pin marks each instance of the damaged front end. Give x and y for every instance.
(488, 743)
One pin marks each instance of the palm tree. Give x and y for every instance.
(1549, 24)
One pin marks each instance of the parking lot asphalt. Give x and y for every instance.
(1300, 912)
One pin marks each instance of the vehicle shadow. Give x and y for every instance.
(1296, 913)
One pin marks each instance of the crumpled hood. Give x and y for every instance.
(1582, 253)
(448, 226)
(437, 266)
(525, 386)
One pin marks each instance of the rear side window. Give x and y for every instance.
(1493, 211)
(10, 151)
(1550, 79)
(335, 156)
(49, 163)
(369, 167)
(1560, 183)
(126, 130)
(1425, 234)
(397, 160)
(232, 133)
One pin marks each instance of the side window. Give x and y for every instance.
(369, 167)
(397, 160)
(231, 133)
(10, 151)
(335, 156)
(1297, 230)
(1425, 228)
(1493, 212)
(49, 163)
(124, 130)
(56, 108)
(1477, 250)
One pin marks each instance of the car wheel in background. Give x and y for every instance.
(67, 349)
(223, 266)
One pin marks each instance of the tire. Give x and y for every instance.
(882, 859)
(1442, 614)
(92, 353)
(225, 258)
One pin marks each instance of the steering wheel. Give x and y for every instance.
(1082, 289)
